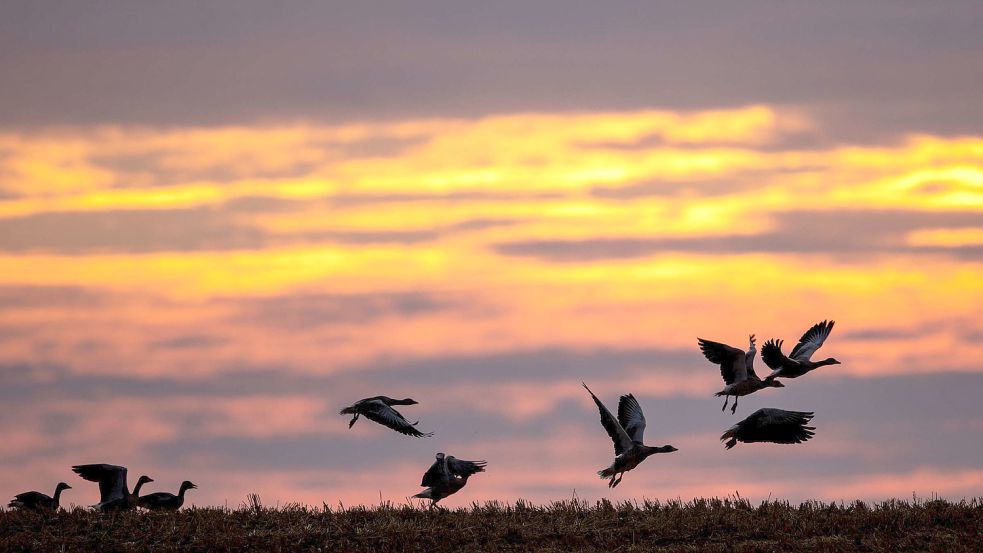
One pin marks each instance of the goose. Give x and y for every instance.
(771, 425)
(164, 501)
(737, 368)
(800, 361)
(38, 501)
(114, 494)
(626, 431)
(379, 409)
(447, 476)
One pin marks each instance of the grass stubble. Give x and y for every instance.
(731, 524)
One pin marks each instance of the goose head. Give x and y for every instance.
(774, 383)
(62, 486)
(408, 401)
(830, 361)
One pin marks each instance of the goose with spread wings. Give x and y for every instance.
(800, 361)
(626, 431)
(379, 409)
(737, 369)
(166, 501)
(771, 425)
(37, 501)
(446, 476)
(114, 494)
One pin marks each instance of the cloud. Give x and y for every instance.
(795, 232)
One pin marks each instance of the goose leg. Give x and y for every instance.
(618, 481)
(726, 399)
(352, 423)
(734, 408)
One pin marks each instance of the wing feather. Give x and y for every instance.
(732, 361)
(812, 340)
(385, 415)
(622, 441)
(631, 418)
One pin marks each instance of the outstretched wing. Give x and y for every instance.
(111, 479)
(631, 418)
(622, 441)
(732, 361)
(772, 354)
(811, 341)
(435, 474)
(777, 426)
(460, 467)
(385, 415)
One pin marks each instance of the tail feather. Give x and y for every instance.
(606, 473)
(425, 494)
(347, 411)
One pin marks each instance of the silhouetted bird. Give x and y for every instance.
(379, 409)
(447, 476)
(626, 431)
(164, 501)
(737, 368)
(771, 425)
(38, 501)
(799, 362)
(114, 494)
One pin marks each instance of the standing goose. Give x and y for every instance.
(737, 368)
(447, 476)
(771, 425)
(800, 361)
(38, 501)
(164, 501)
(379, 409)
(114, 494)
(626, 431)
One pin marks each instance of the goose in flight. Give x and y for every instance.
(114, 494)
(164, 501)
(626, 431)
(380, 410)
(38, 501)
(800, 361)
(447, 476)
(771, 425)
(737, 368)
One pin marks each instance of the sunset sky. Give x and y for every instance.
(220, 223)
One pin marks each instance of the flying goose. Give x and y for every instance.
(164, 501)
(626, 431)
(800, 361)
(771, 425)
(737, 368)
(379, 409)
(114, 494)
(38, 501)
(447, 476)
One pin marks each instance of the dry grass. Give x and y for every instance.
(700, 525)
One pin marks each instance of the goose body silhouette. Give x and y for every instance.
(626, 431)
(380, 409)
(799, 362)
(737, 370)
(38, 501)
(771, 425)
(114, 494)
(446, 476)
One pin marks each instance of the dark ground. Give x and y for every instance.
(702, 525)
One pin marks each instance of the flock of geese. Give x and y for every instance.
(448, 475)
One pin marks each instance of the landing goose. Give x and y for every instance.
(38, 501)
(626, 432)
(447, 476)
(164, 501)
(771, 425)
(379, 409)
(737, 368)
(114, 494)
(800, 361)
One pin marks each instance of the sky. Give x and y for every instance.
(221, 223)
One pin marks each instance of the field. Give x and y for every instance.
(700, 525)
